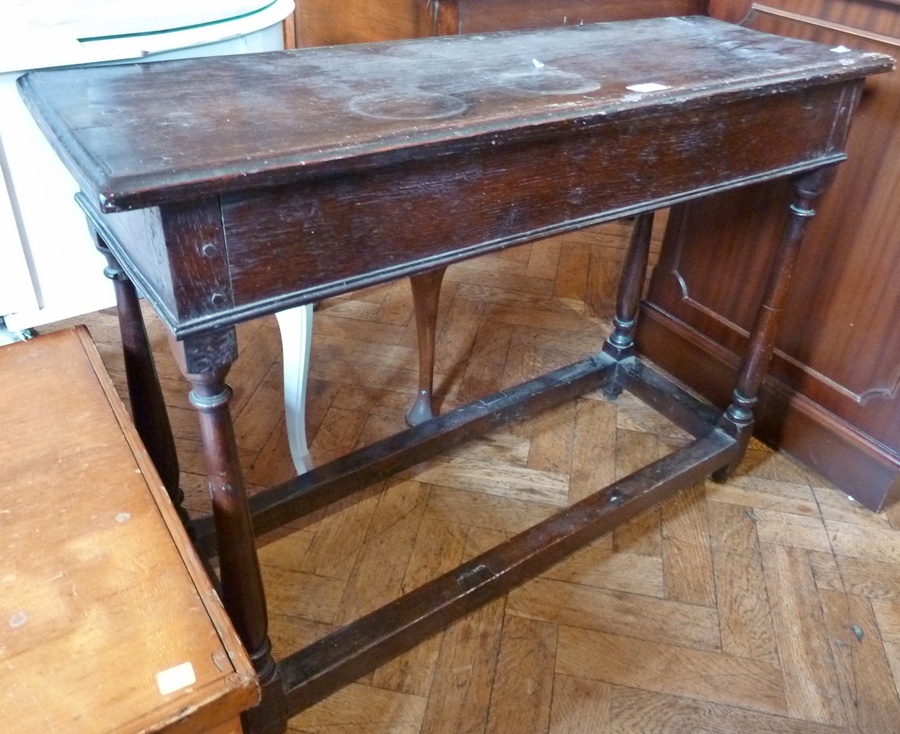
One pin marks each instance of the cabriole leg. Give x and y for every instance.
(295, 325)
(426, 290)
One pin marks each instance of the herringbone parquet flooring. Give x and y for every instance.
(768, 604)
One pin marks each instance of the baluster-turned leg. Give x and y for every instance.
(426, 290)
(205, 361)
(620, 344)
(148, 408)
(738, 417)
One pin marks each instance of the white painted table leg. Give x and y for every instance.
(296, 336)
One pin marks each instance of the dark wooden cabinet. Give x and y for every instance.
(833, 397)
(323, 22)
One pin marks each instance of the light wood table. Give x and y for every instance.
(108, 621)
(233, 188)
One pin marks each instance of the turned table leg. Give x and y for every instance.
(205, 362)
(620, 344)
(148, 408)
(426, 290)
(738, 417)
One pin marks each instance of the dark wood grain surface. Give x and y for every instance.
(445, 148)
(145, 134)
(380, 161)
(832, 399)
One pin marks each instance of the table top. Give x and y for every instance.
(143, 135)
(108, 621)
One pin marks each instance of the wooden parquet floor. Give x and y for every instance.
(767, 604)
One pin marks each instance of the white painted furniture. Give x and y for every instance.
(296, 337)
(49, 269)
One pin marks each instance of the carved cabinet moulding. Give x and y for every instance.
(758, 8)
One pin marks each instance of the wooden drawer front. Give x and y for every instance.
(493, 196)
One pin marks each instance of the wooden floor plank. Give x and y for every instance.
(875, 544)
(461, 692)
(804, 649)
(339, 535)
(438, 548)
(732, 528)
(487, 512)
(671, 669)
(486, 361)
(745, 621)
(656, 620)
(543, 260)
(643, 535)
(755, 661)
(487, 477)
(579, 705)
(687, 562)
(316, 598)
(787, 529)
(574, 266)
(605, 265)
(600, 566)
(359, 708)
(377, 577)
(870, 700)
(594, 448)
(396, 308)
(457, 332)
(552, 443)
(523, 681)
(753, 491)
(635, 711)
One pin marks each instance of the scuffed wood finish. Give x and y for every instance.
(447, 149)
(102, 590)
(422, 175)
(832, 398)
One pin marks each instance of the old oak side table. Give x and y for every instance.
(229, 188)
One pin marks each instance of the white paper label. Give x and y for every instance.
(648, 87)
(174, 679)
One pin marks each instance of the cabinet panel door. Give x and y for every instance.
(329, 23)
(481, 16)
(326, 23)
(838, 352)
